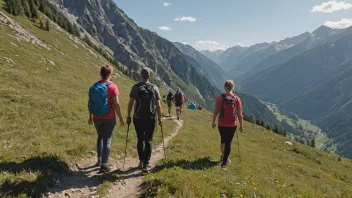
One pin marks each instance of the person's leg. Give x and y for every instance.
(108, 128)
(230, 132)
(178, 111)
(222, 141)
(169, 105)
(148, 139)
(139, 127)
(98, 126)
(181, 109)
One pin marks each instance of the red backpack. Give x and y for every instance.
(228, 110)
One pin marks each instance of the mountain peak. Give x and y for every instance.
(323, 31)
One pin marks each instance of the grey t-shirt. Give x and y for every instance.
(135, 91)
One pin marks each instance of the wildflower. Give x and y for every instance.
(277, 181)
(241, 195)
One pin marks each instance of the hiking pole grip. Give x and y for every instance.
(124, 157)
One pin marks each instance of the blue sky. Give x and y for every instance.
(219, 24)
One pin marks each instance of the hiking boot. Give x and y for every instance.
(104, 169)
(227, 164)
(178, 118)
(140, 165)
(98, 162)
(146, 169)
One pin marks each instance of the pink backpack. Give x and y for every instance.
(228, 110)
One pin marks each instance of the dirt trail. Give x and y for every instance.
(84, 179)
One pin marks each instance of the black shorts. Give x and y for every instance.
(227, 133)
(169, 103)
(178, 104)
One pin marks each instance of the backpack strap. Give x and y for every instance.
(108, 83)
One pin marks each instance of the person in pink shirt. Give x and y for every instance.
(228, 108)
(105, 123)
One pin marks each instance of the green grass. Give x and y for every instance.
(43, 107)
(267, 166)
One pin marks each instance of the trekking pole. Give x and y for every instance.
(238, 144)
(124, 157)
(162, 136)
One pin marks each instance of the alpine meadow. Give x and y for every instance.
(115, 98)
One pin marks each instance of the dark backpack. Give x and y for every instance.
(98, 103)
(228, 110)
(146, 101)
(169, 97)
(178, 97)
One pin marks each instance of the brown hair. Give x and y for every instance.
(105, 72)
(229, 85)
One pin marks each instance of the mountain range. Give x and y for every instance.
(312, 80)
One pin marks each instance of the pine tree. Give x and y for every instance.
(276, 129)
(257, 122)
(26, 8)
(10, 6)
(312, 143)
(262, 123)
(268, 127)
(41, 24)
(33, 9)
(47, 25)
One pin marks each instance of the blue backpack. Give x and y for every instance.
(98, 103)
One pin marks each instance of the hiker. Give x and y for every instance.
(147, 98)
(228, 106)
(103, 107)
(178, 100)
(169, 101)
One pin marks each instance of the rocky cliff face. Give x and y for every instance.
(136, 47)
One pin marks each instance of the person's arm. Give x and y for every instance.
(117, 107)
(129, 110)
(130, 106)
(133, 96)
(90, 119)
(158, 106)
(215, 114)
(159, 111)
(240, 114)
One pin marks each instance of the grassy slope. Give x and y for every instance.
(43, 107)
(268, 167)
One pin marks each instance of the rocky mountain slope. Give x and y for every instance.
(136, 47)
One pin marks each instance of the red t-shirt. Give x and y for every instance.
(112, 91)
(218, 104)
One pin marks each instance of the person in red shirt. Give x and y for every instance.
(229, 108)
(105, 124)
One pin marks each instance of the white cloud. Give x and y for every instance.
(240, 44)
(331, 6)
(209, 45)
(167, 4)
(343, 23)
(185, 43)
(184, 18)
(164, 28)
